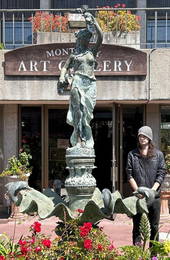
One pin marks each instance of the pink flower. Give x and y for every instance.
(123, 5)
(46, 242)
(111, 247)
(32, 241)
(37, 249)
(88, 244)
(36, 226)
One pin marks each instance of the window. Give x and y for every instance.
(162, 35)
(17, 34)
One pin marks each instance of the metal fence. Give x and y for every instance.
(21, 27)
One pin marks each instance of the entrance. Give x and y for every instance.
(130, 119)
(45, 135)
(31, 141)
(59, 133)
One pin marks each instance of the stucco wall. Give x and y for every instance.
(10, 132)
(154, 87)
(160, 74)
(45, 88)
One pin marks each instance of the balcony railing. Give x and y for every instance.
(20, 27)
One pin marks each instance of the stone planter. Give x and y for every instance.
(131, 39)
(165, 195)
(53, 37)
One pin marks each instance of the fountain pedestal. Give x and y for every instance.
(80, 184)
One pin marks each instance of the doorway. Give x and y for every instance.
(46, 135)
(59, 133)
(31, 141)
(129, 119)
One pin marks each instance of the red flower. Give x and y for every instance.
(22, 242)
(99, 247)
(88, 244)
(2, 257)
(62, 258)
(85, 229)
(46, 242)
(37, 249)
(80, 210)
(24, 250)
(88, 225)
(36, 226)
(84, 233)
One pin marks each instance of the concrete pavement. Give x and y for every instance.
(119, 231)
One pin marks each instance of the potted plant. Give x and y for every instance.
(119, 26)
(49, 27)
(18, 167)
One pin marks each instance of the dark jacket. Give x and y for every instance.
(146, 171)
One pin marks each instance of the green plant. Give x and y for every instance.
(122, 21)
(7, 247)
(161, 249)
(78, 241)
(46, 22)
(145, 230)
(1, 46)
(73, 242)
(18, 166)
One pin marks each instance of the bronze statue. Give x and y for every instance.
(79, 72)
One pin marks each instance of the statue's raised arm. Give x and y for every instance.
(92, 24)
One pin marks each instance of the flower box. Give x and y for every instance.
(130, 39)
(54, 37)
(76, 21)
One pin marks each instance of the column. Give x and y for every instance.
(45, 4)
(10, 132)
(142, 14)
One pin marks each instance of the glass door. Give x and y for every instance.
(31, 141)
(102, 134)
(131, 118)
(59, 133)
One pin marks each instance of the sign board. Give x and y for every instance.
(48, 59)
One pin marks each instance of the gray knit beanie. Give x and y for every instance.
(146, 131)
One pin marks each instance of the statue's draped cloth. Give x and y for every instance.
(87, 92)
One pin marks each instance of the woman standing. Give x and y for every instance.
(79, 72)
(146, 168)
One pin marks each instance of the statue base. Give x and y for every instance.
(80, 183)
